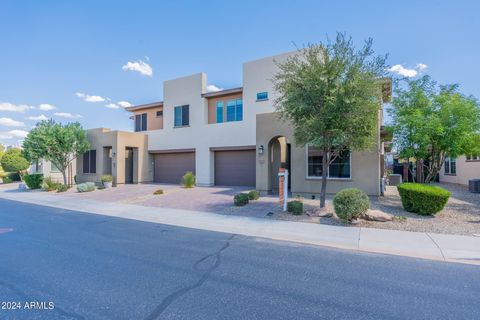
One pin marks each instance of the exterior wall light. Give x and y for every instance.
(260, 149)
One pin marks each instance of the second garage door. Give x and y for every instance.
(235, 168)
(170, 167)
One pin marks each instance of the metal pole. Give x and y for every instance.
(285, 190)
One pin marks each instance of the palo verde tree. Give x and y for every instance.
(432, 122)
(57, 143)
(331, 94)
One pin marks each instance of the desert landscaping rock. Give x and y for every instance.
(377, 215)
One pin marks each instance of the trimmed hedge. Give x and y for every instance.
(254, 195)
(241, 199)
(33, 181)
(423, 199)
(86, 187)
(350, 203)
(295, 207)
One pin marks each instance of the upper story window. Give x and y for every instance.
(182, 116)
(262, 96)
(141, 122)
(338, 169)
(473, 157)
(54, 168)
(159, 113)
(90, 161)
(450, 166)
(235, 110)
(219, 109)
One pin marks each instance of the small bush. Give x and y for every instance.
(62, 188)
(86, 187)
(254, 195)
(295, 207)
(188, 180)
(158, 192)
(49, 185)
(34, 181)
(14, 176)
(7, 179)
(107, 178)
(101, 187)
(350, 203)
(423, 199)
(241, 199)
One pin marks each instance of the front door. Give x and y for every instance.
(129, 165)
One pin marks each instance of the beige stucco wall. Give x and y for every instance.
(45, 167)
(466, 170)
(153, 122)
(365, 166)
(102, 138)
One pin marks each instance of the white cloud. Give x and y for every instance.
(139, 66)
(401, 70)
(67, 115)
(124, 104)
(112, 106)
(37, 118)
(46, 107)
(7, 106)
(17, 133)
(89, 98)
(9, 122)
(213, 88)
(421, 67)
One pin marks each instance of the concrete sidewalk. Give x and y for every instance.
(453, 248)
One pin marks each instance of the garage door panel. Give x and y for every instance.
(235, 168)
(170, 167)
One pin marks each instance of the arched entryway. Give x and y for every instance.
(279, 156)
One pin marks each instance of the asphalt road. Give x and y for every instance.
(89, 266)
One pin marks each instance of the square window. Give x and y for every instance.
(181, 116)
(159, 113)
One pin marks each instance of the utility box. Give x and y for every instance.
(474, 185)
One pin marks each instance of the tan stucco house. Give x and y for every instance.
(229, 137)
(460, 170)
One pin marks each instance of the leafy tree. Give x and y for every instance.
(331, 95)
(432, 122)
(57, 143)
(2, 150)
(13, 161)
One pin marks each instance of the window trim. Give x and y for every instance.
(307, 177)
(181, 116)
(262, 99)
(472, 158)
(449, 173)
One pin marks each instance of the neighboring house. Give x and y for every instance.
(460, 170)
(230, 137)
(48, 169)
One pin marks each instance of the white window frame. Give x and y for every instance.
(328, 170)
(449, 173)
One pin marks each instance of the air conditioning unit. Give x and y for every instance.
(474, 185)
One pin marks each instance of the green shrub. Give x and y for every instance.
(241, 199)
(34, 181)
(7, 179)
(350, 203)
(107, 178)
(86, 187)
(101, 187)
(295, 207)
(422, 199)
(188, 180)
(158, 192)
(13, 160)
(49, 185)
(62, 188)
(254, 195)
(14, 176)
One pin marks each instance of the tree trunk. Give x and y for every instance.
(324, 178)
(64, 177)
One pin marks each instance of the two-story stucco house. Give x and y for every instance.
(231, 137)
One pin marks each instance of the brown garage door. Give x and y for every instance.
(170, 167)
(235, 168)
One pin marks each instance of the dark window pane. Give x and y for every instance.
(447, 166)
(340, 167)
(93, 161)
(160, 113)
(185, 116)
(219, 111)
(178, 117)
(231, 110)
(137, 122)
(314, 162)
(239, 110)
(86, 161)
(262, 96)
(144, 122)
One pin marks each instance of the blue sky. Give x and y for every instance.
(66, 53)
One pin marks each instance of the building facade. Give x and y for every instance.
(232, 137)
(460, 170)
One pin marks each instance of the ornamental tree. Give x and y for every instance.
(57, 143)
(13, 161)
(432, 122)
(331, 94)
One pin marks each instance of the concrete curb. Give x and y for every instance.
(451, 248)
